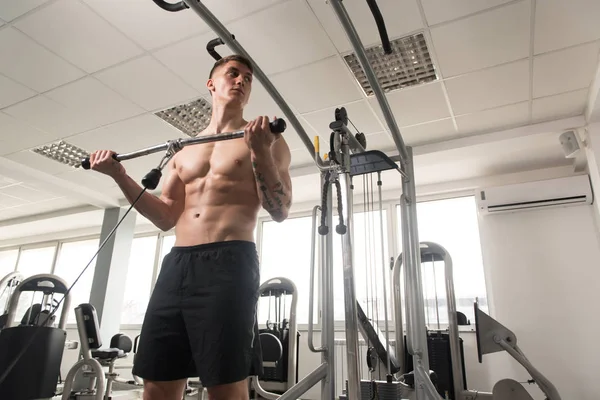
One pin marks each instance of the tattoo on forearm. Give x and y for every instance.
(277, 191)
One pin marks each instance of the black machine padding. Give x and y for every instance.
(92, 329)
(272, 349)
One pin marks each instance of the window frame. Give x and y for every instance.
(390, 202)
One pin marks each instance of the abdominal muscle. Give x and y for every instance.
(216, 210)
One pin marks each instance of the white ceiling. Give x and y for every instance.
(93, 72)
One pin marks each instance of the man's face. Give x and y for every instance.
(231, 82)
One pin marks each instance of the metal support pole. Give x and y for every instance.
(349, 285)
(416, 334)
(327, 296)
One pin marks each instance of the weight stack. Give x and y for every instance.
(440, 361)
(380, 390)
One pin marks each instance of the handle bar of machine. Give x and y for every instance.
(277, 126)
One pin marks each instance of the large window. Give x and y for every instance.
(285, 252)
(33, 261)
(370, 254)
(451, 223)
(167, 244)
(8, 261)
(72, 259)
(139, 279)
(37, 260)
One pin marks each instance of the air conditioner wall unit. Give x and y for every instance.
(573, 190)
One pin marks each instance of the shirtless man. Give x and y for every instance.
(201, 318)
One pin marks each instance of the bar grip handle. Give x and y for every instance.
(278, 125)
(85, 163)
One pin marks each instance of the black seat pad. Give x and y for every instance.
(108, 354)
(272, 350)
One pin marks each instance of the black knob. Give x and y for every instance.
(150, 181)
(278, 125)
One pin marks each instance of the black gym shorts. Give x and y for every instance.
(201, 319)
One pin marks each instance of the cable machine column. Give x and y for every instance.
(349, 285)
(328, 385)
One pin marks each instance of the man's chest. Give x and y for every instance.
(229, 159)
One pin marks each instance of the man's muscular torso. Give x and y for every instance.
(221, 201)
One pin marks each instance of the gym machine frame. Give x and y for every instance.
(417, 335)
(491, 337)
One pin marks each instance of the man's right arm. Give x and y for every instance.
(163, 212)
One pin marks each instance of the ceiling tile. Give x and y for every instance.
(473, 43)
(235, 9)
(283, 37)
(400, 17)
(6, 181)
(560, 105)
(37, 161)
(27, 193)
(494, 119)
(31, 64)
(261, 103)
(302, 157)
(380, 141)
(148, 83)
(560, 23)
(130, 135)
(95, 102)
(74, 32)
(143, 29)
(326, 83)
(37, 208)
(293, 139)
(89, 179)
(415, 105)
(49, 116)
(9, 201)
(437, 11)
(359, 113)
(564, 70)
(190, 60)
(17, 135)
(489, 88)
(428, 132)
(10, 10)
(12, 92)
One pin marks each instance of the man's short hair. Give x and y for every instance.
(233, 57)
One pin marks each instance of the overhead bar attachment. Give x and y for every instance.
(370, 74)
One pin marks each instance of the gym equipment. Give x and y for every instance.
(338, 170)
(491, 337)
(93, 358)
(151, 180)
(280, 351)
(32, 349)
(383, 356)
(7, 287)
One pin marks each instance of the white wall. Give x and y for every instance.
(543, 279)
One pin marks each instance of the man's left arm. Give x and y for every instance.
(272, 172)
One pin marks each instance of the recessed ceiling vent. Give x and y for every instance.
(191, 118)
(409, 64)
(63, 152)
